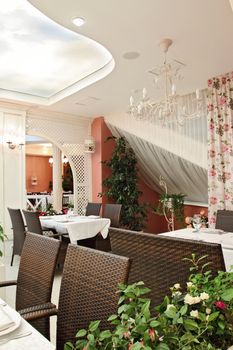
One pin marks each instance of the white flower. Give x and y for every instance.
(189, 284)
(204, 296)
(208, 311)
(194, 313)
(190, 300)
(207, 317)
(177, 286)
(176, 293)
(197, 300)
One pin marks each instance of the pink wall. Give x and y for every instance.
(155, 223)
(39, 167)
(100, 132)
(96, 160)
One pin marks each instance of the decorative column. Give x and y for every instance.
(57, 179)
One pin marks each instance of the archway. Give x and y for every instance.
(39, 176)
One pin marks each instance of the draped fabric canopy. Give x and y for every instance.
(188, 141)
(177, 153)
(180, 175)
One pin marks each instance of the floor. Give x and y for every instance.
(10, 272)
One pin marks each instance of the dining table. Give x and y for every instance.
(208, 235)
(78, 227)
(16, 333)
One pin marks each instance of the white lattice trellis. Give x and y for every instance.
(65, 137)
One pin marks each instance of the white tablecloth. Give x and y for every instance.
(30, 342)
(208, 235)
(78, 227)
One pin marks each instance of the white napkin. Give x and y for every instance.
(5, 320)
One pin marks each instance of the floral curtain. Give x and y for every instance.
(220, 144)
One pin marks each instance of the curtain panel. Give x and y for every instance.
(220, 145)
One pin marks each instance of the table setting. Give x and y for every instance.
(78, 227)
(210, 235)
(16, 333)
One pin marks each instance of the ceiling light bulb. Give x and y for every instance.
(78, 21)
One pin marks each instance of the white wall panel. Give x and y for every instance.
(12, 161)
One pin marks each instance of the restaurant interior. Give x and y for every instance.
(116, 165)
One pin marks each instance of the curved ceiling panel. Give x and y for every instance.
(43, 62)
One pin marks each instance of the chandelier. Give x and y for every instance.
(172, 108)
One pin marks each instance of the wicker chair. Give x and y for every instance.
(93, 209)
(35, 277)
(88, 291)
(224, 220)
(157, 260)
(112, 212)
(34, 225)
(33, 222)
(19, 232)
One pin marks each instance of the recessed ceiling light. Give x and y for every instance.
(78, 21)
(131, 55)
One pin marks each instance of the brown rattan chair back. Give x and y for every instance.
(18, 231)
(224, 220)
(158, 260)
(93, 209)
(88, 290)
(36, 273)
(112, 212)
(33, 221)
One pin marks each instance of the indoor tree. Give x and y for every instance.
(122, 185)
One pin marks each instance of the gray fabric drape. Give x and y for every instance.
(180, 175)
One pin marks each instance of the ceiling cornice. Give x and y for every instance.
(58, 116)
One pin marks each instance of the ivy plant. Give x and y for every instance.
(174, 202)
(122, 185)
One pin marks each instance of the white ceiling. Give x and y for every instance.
(201, 31)
(40, 60)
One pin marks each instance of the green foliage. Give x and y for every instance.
(67, 182)
(173, 201)
(122, 185)
(198, 318)
(49, 211)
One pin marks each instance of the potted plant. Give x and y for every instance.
(171, 206)
(197, 317)
(122, 185)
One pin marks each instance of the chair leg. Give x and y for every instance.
(12, 258)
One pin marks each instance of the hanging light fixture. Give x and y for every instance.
(172, 108)
(65, 160)
(51, 161)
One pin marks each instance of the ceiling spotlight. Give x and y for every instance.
(78, 21)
